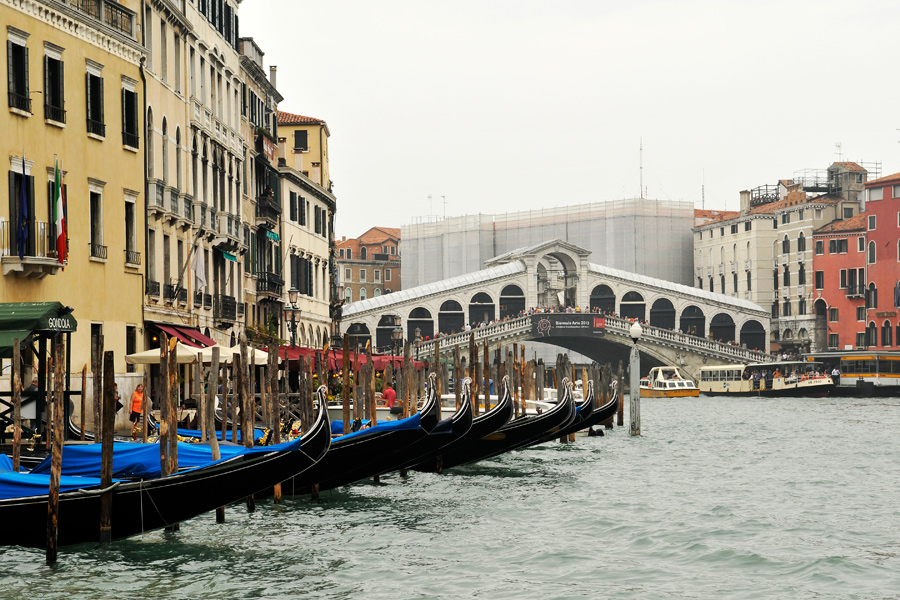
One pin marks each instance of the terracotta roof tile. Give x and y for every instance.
(851, 166)
(714, 216)
(856, 223)
(286, 118)
(883, 180)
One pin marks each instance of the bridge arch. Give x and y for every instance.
(721, 327)
(753, 335)
(419, 318)
(693, 321)
(633, 306)
(603, 298)
(557, 277)
(662, 313)
(359, 334)
(384, 331)
(481, 308)
(451, 317)
(512, 301)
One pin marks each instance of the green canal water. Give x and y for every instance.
(719, 498)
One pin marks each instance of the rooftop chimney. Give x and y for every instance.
(745, 202)
(272, 79)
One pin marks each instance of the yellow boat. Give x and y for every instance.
(668, 382)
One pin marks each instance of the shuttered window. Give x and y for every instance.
(95, 122)
(54, 90)
(130, 135)
(292, 206)
(17, 76)
(301, 140)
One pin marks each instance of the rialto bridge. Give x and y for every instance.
(685, 326)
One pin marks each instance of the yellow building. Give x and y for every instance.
(74, 93)
(303, 143)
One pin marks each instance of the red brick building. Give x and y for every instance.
(369, 266)
(883, 261)
(839, 282)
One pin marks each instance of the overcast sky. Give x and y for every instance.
(508, 105)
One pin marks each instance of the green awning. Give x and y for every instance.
(6, 341)
(229, 256)
(36, 316)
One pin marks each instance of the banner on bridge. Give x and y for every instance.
(546, 325)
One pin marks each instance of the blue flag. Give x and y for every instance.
(22, 237)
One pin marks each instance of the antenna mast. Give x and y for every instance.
(703, 192)
(642, 167)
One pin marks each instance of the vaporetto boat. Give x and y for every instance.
(786, 378)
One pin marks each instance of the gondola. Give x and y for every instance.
(588, 414)
(360, 452)
(448, 431)
(482, 425)
(517, 433)
(141, 506)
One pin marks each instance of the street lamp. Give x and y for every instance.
(635, 368)
(292, 314)
(396, 337)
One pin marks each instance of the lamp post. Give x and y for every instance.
(634, 366)
(396, 337)
(292, 313)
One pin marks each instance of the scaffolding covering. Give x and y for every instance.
(649, 237)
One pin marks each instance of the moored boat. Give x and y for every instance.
(668, 382)
(785, 378)
(145, 505)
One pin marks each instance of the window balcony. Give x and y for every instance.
(224, 308)
(96, 127)
(269, 283)
(111, 14)
(747, 265)
(198, 299)
(207, 301)
(152, 288)
(132, 258)
(721, 269)
(19, 102)
(54, 113)
(40, 252)
(856, 291)
(268, 211)
(99, 251)
(132, 140)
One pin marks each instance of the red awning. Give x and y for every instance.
(173, 332)
(196, 336)
(336, 360)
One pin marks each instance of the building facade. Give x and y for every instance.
(882, 225)
(74, 99)
(765, 254)
(369, 266)
(303, 144)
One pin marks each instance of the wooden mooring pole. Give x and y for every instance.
(56, 431)
(17, 404)
(107, 430)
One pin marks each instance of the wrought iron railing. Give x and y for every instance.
(198, 299)
(96, 127)
(98, 251)
(269, 283)
(224, 308)
(169, 291)
(152, 288)
(131, 140)
(182, 295)
(132, 257)
(19, 102)
(110, 13)
(54, 113)
(207, 301)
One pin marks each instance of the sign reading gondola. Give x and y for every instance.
(545, 325)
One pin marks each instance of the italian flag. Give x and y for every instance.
(59, 217)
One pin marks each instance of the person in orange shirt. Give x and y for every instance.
(137, 407)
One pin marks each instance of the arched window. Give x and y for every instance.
(786, 245)
(362, 253)
(377, 292)
(886, 334)
(871, 253)
(165, 150)
(150, 147)
(748, 252)
(348, 295)
(362, 293)
(178, 182)
(801, 243)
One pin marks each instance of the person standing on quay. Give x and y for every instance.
(137, 407)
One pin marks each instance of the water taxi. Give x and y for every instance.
(668, 382)
(787, 378)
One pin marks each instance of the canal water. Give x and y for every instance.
(719, 498)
